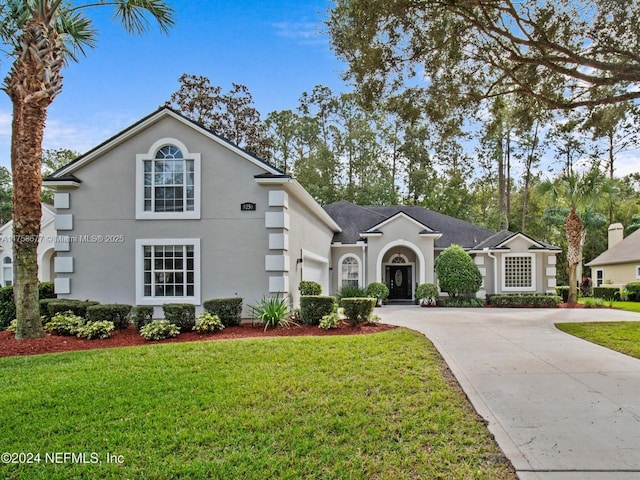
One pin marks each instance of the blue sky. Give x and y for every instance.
(274, 48)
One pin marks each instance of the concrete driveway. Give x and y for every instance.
(559, 407)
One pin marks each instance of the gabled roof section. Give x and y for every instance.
(627, 251)
(354, 220)
(500, 240)
(400, 214)
(163, 112)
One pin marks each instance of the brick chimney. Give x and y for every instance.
(616, 234)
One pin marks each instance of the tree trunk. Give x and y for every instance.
(32, 84)
(574, 229)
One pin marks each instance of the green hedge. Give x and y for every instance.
(563, 292)
(314, 307)
(182, 315)
(633, 291)
(141, 315)
(524, 300)
(606, 293)
(229, 310)
(116, 313)
(460, 302)
(7, 307)
(358, 310)
(78, 307)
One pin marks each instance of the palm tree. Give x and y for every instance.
(573, 191)
(41, 37)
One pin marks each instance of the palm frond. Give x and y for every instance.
(134, 15)
(76, 33)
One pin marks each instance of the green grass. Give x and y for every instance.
(622, 337)
(347, 407)
(626, 306)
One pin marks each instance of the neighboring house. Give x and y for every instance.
(46, 252)
(620, 264)
(166, 211)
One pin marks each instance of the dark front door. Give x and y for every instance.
(399, 282)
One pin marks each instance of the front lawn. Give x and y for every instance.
(622, 337)
(378, 406)
(626, 306)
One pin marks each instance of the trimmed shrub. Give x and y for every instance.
(329, 321)
(427, 294)
(350, 291)
(44, 308)
(457, 272)
(308, 287)
(93, 330)
(141, 315)
(46, 290)
(524, 300)
(7, 307)
(65, 323)
(633, 291)
(13, 326)
(228, 309)
(77, 307)
(358, 310)
(116, 313)
(461, 302)
(378, 290)
(208, 323)
(314, 307)
(182, 315)
(159, 330)
(606, 293)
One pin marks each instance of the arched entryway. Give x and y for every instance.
(401, 266)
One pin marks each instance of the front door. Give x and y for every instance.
(399, 282)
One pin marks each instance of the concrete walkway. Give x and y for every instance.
(559, 407)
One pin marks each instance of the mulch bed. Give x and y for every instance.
(10, 347)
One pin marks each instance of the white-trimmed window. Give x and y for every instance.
(168, 182)
(167, 270)
(7, 271)
(350, 272)
(600, 277)
(518, 272)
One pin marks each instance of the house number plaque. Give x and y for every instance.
(248, 207)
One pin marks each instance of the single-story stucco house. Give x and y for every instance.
(46, 251)
(167, 211)
(620, 263)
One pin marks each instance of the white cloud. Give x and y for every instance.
(305, 33)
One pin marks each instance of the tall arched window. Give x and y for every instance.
(350, 271)
(7, 271)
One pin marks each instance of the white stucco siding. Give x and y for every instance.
(233, 243)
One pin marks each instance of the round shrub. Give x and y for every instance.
(141, 315)
(182, 315)
(159, 330)
(427, 294)
(208, 323)
(93, 330)
(228, 309)
(378, 290)
(329, 321)
(65, 323)
(308, 287)
(633, 291)
(457, 272)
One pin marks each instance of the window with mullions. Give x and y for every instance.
(169, 271)
(350, 272)
(518, 272)
(169, 181)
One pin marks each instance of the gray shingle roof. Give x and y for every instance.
(628, 250)
(355, 220)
